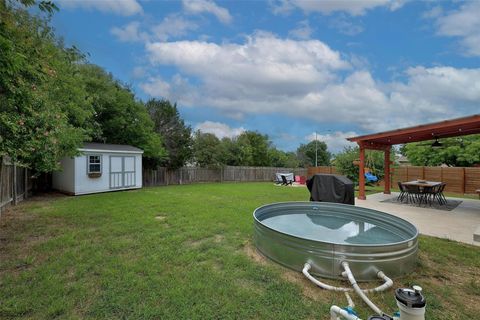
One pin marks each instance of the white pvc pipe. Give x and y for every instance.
(387, 284)
(358, 290)
(337, 312)
(349, 300)
(322, 285)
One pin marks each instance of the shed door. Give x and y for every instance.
(122, 172)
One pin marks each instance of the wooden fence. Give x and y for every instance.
(322, 169)
(186, 175)
(458, 179)
(15, 184)
(464, 180)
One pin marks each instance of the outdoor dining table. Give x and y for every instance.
(422, 184)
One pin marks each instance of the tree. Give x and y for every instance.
(253, 148)
(207, 150)
(291, 160)
(43, 114)
(230, 152)
(176, 135)
(306, 154)
(279, 158)
(462, 152)
(119, 118)
(344, 162)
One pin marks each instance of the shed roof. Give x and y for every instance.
(443, 129)
(106, 147)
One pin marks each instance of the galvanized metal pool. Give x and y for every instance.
(326, 234)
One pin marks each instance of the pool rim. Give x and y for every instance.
(413, 238)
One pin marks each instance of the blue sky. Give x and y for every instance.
(288, 68)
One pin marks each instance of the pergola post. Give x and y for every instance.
(361, 173)
(387, 171)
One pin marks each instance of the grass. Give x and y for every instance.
(185, 252)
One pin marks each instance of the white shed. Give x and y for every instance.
(100, 168)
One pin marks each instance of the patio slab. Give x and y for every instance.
(461, 224)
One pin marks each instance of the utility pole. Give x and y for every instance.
(316, 150)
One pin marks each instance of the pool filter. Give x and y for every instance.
(411, 303)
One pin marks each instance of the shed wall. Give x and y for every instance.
(64, 180)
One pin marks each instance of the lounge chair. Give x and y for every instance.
(285, 181)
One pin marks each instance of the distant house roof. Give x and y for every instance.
(105, 147)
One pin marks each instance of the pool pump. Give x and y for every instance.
(411, 304)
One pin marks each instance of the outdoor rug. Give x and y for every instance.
(451, 204)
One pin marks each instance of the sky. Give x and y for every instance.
(291, 69)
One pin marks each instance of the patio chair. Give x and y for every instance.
(439, 194)
(285, 182)
(414, 194)
(429, 194)
(403, 192)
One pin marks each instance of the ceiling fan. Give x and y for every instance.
(437, 144)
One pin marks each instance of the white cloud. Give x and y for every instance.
(463, 23)
(303, 31)
(346, 26)
(129, 33)
(201, 6)
(139, 72)
(307, 79)
(352, 7)
(120, 7)
(157, 87)
(263, 60)
(177, 89)
(172, 26)
(221, 130)
(336, 141)
(434, 12)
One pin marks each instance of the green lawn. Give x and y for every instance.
(185, 252)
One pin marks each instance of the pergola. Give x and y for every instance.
(383, 141)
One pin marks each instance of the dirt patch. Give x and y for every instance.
(160, 218)
(196, 243)
(218, 238)
(249, 285)
(309, 290)
(253, 254)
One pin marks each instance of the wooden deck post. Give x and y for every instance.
(387, 171)
(361, 174)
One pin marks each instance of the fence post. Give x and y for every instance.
(25, 193)
(1, 185)
(463, 182)
(14, 191)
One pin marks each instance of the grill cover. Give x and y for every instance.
(331, 188)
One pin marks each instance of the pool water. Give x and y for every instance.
(333, 228)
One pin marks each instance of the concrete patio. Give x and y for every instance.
(461, 224)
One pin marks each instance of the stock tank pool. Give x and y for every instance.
(325, 234)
